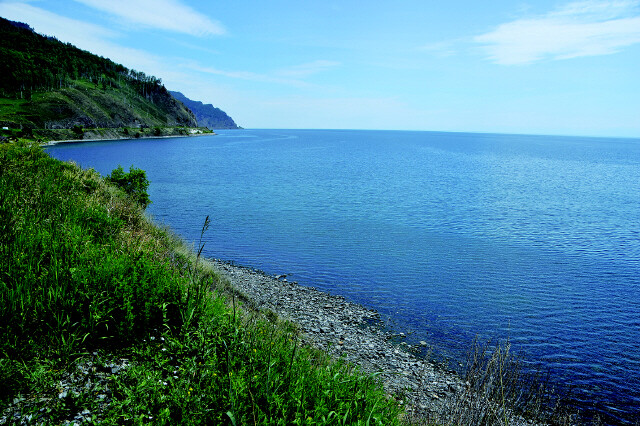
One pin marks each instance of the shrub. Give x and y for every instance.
(78, 131)
(81, 286)
(134, 183)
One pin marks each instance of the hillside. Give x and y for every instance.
(206, 114)
(47, 84)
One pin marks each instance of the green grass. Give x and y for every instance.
(86, 282)
(81, 101)
(50, 135)
(12, 112)
(10, 107)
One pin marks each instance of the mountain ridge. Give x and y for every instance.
(47, 85)
(206, 114)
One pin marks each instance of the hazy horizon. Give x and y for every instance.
(543, 68)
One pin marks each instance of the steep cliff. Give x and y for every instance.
(206, 114)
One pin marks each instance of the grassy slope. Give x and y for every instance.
(84, 103)
(45, 83)
(48, 88)
(112, 113)
(86, 283)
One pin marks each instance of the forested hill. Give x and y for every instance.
(47, 84)
(206, 114)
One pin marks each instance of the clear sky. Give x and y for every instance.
(508, 66)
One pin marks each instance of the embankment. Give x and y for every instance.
(106, 318)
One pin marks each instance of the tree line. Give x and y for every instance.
(31, 62)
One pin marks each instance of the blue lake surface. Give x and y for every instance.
(448, 235)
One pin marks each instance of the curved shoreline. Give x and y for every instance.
(110, 139)
(353, 332)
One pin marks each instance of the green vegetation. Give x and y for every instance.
(105, 317)
(134, 184)
(52, 135)
(35, 62)
(48, 85)
(54, 91)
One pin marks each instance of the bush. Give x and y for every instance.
(78, 131)
(81, 286)
(134, 183)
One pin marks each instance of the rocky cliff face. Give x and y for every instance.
(207, 115)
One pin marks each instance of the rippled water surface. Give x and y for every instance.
(448, 235)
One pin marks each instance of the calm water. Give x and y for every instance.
(448, 235)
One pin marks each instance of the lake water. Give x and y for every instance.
(448, 235)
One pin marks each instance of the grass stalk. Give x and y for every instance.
(97, 301)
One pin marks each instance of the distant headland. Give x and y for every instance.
(50, 90)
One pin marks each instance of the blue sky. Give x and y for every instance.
(540, 67)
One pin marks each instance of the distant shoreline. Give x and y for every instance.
(52, 143)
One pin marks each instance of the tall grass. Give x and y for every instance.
(499, 391)
(68, 278)
(86, 280)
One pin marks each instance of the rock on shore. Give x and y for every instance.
(349, 330)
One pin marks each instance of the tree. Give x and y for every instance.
(77, 130)
(134, 183)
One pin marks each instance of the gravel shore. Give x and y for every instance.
(331, 323)
(349, 330)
